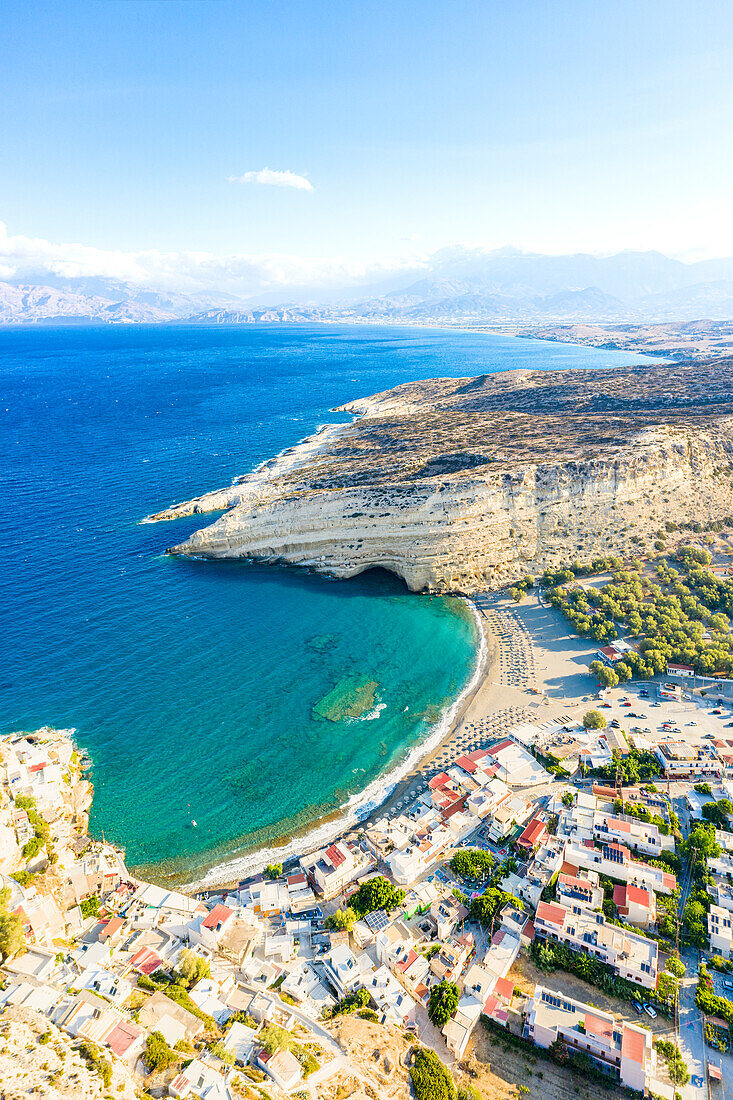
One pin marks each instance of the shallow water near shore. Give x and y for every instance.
(193, 684)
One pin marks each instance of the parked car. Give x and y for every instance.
(638, 1009)
(644, 693)
(650, 1011)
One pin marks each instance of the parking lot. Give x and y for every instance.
(638, 710)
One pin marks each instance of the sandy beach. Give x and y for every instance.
(504, 695)
(533, 670)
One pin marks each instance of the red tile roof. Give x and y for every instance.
(632, 1045)
(217, 916)
(335, 854)
(532, 833)
(454, 808)
(505, 744)
(599, 789)
(595, 1025)
(121, 1037)
(552, 914)
(575, 880)
(146, 961)
(439, 781)
(504, 988)
(406, 963)
(467, 764)
(669, 881)
(111, 927)
(477, 754)
(638, 895)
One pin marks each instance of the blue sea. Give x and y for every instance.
(191, 684)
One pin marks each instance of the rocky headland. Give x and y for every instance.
(466, 484)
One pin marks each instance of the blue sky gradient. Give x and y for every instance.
(556, 126)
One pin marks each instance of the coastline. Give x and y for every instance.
(248, 485)
(378, 796)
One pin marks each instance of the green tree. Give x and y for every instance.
(12, 940)
(675, 966)
(676, 1066)
(273, 870)
(341, 921)
(559, 1052)
(219, 1051)
(376, 893)
(193, 967)
(158, 1055)
(444, 998)
(701, 842)
(273, 1038)
(568, 798)
(96, 1061)
(429, 1077)
(605, 676)
(717, 812)
(594, 720)
(472, 863)
(488, 904)
(695, 921)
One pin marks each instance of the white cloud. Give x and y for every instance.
(241, 275)
(270, 177)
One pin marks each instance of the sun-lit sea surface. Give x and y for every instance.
(192, 684)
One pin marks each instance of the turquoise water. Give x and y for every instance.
(192, 683)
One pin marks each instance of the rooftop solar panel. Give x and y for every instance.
(377, 920)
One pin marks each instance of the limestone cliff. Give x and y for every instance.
(464, 484)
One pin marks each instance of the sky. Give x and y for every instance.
(354, 136)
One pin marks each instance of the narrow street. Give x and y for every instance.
(691, 1022)
(692, 1030)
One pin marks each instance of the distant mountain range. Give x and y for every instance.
(455, 286)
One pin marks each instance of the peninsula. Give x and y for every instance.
(464, 485)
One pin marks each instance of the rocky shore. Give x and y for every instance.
(463, 485)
